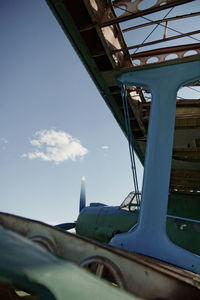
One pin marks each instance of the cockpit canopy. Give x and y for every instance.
(131, 202)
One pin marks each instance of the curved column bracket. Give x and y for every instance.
(149, 236)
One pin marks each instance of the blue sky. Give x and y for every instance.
(54, 125)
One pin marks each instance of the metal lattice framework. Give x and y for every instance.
(105, 35)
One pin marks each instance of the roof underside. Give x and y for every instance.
(113, 36)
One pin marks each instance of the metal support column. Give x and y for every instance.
(149, 236)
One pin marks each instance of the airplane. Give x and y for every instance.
(163, 130)
(102, 222)
(145, 231)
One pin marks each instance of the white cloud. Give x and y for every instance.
(105, 147)
(55, 146)
(3, 143)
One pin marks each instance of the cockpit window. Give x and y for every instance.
(131, 202)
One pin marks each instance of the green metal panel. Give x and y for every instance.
(102, 228)
(184, 205)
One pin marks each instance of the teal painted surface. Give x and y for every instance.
(149, 236)
(33, 269)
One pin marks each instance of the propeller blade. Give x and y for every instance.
(82, 195)
(66, 226)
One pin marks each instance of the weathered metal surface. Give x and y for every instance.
(162, 54)
(29, 270)
(141, 276)
(94, 30)
(132, 10)
(161, 21)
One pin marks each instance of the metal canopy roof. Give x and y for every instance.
(100, 31)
